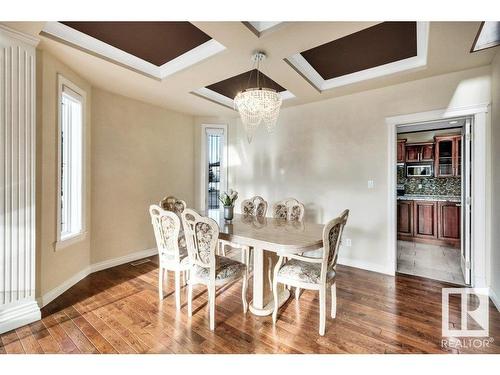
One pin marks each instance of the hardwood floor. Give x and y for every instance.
(117, 311)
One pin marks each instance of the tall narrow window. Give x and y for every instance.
(71, 220)
(215, 176)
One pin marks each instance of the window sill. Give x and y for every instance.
(62, 244)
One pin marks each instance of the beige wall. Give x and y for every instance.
(55, 267)
(495, 177)
(324, 153)
(140, 153)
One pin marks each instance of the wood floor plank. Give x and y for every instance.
(118, 311)
(12, 343)
(28, 341)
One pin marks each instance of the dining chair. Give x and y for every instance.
(313, 273)
(172, 255)
(207, 268)
(289, 209)
(173, 204)
(253, 207)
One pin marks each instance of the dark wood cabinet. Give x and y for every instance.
(425, 219)
(419, 152)
(427, 152)
(449, 222)
(431, 222)
(405, 218)
(412, 153)
(448, 151)
(401, 150)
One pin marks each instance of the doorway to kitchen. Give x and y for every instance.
(433, 186)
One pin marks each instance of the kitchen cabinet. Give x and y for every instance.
(430, 222)
(448, 152)
(419, 152)
(405, 218)
(449, 222)
(401, 150)
(425, 219)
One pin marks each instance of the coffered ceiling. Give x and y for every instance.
(171, 68)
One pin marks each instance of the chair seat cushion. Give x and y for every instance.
(305, 272)
(225, 268)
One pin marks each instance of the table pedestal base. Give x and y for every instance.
(269, 308)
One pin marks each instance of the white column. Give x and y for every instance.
(17, 179)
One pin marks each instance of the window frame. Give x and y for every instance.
(62, 243)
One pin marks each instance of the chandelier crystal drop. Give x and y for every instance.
(258, 105)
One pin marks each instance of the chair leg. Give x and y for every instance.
(270, 274)
(160, 283)
(247, 260)
(297, 293)
(322, 310)
(244, 293)
(190, 299)
(178, 290)
(334, 300)
(211, 297)
(276, 300)
(223, 248)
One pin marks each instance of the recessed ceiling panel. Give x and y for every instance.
(381, 44)
(232, 86)
(154, 42)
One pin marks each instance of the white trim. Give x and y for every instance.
(368, 266)
(64, 286)
(228, 102)
(494, 298)
(203, 161)
(101, 48)
(25, 38)
(18, 315)
(411, 63)
(261, 26)
(480, 253)
(63, 243)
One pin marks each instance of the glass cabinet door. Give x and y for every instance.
(445, 158)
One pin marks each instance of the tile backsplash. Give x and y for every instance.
(430, 185)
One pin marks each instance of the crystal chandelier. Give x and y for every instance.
(258, 104)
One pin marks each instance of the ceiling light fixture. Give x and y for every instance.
(258, 104)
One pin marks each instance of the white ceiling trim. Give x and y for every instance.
(303, 67)
(103, 49)
(225, 101)
(261, 26)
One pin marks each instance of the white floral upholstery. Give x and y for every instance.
(205, 236)
(289, 209)
(173, 204)
(255, 206)
(302, 271)
(224, 268)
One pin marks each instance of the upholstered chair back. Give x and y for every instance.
(332, 237)
(166, 226)
(202, 236)
(173, 204)
(290, 209)
(255, 206)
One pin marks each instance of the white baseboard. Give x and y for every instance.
(494, 298)
(19, 315)
(61, 288)
(122, 260)
(366, 266)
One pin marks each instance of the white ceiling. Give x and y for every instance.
(449, 45)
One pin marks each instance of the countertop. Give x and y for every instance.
(438, 198)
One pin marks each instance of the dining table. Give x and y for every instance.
(268, 238)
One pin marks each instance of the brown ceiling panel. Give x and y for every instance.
(155, 42)
(232, 86)
(377, 45)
